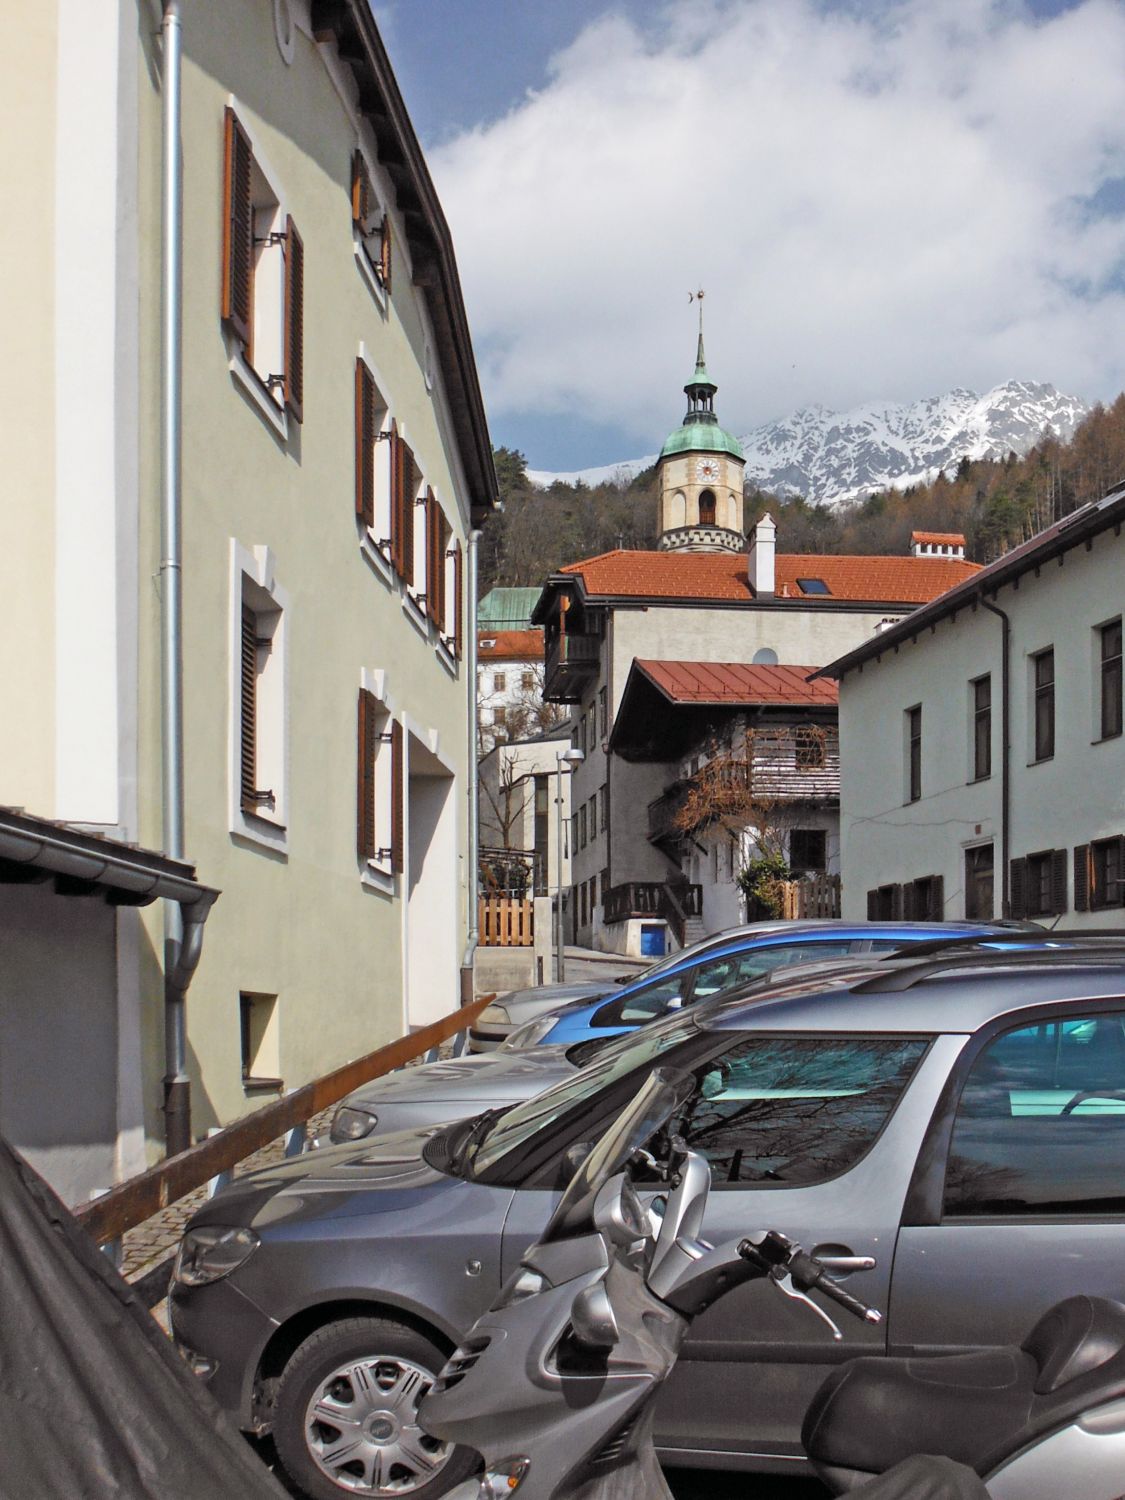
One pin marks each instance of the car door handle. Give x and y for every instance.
(844, 1265)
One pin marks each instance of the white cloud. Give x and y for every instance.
(883, 200)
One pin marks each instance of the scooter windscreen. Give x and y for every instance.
(656, 1101)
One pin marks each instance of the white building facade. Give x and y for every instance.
(982, 757)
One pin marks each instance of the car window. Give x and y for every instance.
(797, 1110)
(712, 977)
(526, 1120)
(1040, 1126)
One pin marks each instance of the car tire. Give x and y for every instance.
(345, 1416)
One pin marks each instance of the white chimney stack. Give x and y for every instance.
(762, 541)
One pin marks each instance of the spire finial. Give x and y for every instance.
(699, 361)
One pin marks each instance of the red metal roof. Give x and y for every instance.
(733, 682)
(510, 645)
(723, 576)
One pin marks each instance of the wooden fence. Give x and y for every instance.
(131, 1203)
(815, 896)
(506, 922)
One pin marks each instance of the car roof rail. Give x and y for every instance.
(911, 968)
(1019, 938)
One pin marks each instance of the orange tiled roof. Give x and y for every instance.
(510, 645)
(939, 538)
(732, 682)
(723, 576)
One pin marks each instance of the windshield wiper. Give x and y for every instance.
(473, 1138)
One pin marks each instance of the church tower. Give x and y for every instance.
(700, 472)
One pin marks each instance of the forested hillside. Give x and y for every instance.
(996, 503)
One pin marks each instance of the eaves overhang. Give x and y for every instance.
(351, 25)
(1078, 528)
(33, 850)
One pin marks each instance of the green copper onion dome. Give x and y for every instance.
(700, 431)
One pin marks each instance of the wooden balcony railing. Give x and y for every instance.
(652, 898)
(572, 659)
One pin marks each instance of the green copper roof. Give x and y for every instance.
(702, 437)
(701, 376)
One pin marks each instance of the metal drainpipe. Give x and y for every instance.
(179, 961)
(472, 777)
(1006, 755)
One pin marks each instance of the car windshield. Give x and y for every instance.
(630, 1054)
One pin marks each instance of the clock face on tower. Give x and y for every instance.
(707, 470)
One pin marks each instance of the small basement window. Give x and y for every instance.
(813, 586)
(261, 1052)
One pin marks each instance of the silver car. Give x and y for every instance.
(912, 1121)
(497, 1021)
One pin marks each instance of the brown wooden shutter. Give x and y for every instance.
(873, 906)
(936, 912)
(458, 600)
(293, 388)
(409, 484)
(1017, 888)
(383, 269)
(397, 808)
(909, 900)
(1083, 877)
(238, 230)
(248, 715)
(398, 484)
(896, 903)
(1058, 881)
(435, 563)
(361, 192)
(366, 739)
(364, 444)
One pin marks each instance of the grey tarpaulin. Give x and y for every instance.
(95, 1401)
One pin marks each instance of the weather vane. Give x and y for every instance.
(698, 297)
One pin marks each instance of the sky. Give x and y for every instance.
(883, 200)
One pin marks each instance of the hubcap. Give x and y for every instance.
(361, 1427)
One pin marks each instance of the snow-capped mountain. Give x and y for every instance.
(831, 456)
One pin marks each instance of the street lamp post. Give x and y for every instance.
(568, 758)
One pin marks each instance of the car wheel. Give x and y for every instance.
(346, 1415)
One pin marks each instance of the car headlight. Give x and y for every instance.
(211, 1252)
(529, 1035)
(525, 1283)
(495, 1013)
(350, 1124)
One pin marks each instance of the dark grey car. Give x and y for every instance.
(911, 1121)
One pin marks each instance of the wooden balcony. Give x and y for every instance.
(572, 661)
(652, 898)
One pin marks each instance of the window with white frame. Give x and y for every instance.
(258, 747)
(379, 784)
(262, 274)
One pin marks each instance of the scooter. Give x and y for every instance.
(555, 1386)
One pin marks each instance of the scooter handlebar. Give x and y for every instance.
(776, 1254)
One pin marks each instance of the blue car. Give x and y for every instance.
(719, 963)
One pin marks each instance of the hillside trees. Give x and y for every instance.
(996, 503)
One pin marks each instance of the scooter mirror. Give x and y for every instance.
(618, 1213)
(592, 1320)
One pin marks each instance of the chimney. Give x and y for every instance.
(938, 544)
(761, 557)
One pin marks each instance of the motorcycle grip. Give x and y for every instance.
(808, 1274)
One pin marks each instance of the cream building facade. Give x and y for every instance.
(335, 461)
(981, 746)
